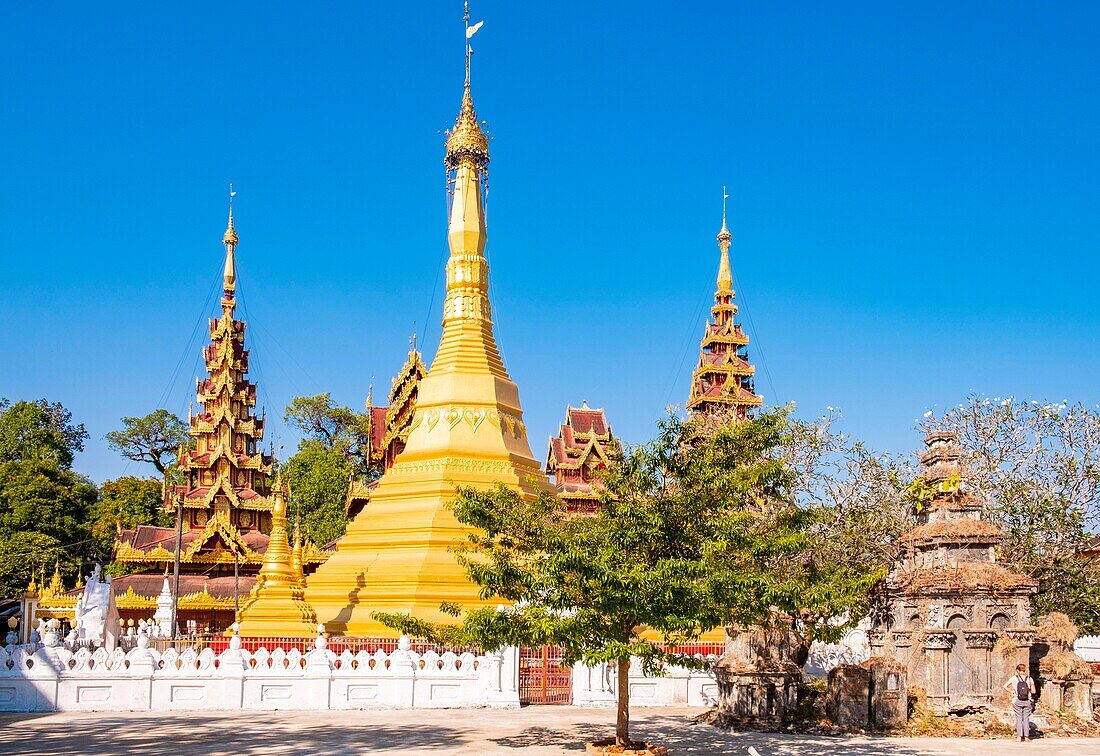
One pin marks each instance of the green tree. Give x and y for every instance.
(696, 530)
(155, 438)
(336, 428)
(39, 492)
(126, 502)
(318, 479)
(1037, 467)
(23, 555)
(860, 496)
(39, 431)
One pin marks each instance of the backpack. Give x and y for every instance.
(1023, 690)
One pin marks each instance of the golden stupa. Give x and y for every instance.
(276, 605)
(467, 430)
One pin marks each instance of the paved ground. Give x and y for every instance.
(534, 730)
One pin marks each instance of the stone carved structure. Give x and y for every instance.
(1065, 678)
(581, 449)
(722, 382)
(872, 694)
(96, 611)
(757, 679)
(956, 619)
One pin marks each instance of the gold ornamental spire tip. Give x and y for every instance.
(230, 236)
(725, 274)
(230, 241)
(467, 140)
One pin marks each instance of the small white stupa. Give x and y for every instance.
(163, 615)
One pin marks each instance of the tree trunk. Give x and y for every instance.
(622, 716)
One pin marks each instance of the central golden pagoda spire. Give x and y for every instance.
(467, 430)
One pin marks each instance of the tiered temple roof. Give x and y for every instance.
(581, 449)
(389, 426)
(722, 382)
(225, 497)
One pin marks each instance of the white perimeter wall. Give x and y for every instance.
(50, 677)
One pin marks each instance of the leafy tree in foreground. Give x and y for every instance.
(154, 438)
(696, 530)
(318, 479)
(1038, 467)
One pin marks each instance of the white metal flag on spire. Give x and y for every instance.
(472, 30)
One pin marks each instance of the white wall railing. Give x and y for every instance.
(1088, 648)
(679, 686)
(50, 677)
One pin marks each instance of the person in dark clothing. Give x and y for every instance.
(1022, 688)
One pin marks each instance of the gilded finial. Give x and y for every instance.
(230, 236)
(467, 140)
(370, 395)
(230, 241)
(725, 275)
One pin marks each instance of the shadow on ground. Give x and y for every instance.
(683, 737)
(537, 730)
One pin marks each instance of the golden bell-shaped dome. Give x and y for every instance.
(467, 140)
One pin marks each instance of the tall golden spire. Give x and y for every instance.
(466, 429)
(722, 381)
(725, 276)
(230, 241)
(468, 343)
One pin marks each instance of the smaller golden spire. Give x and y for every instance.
(725, 275)
(230, 241)
(296, 551)
(276, 605)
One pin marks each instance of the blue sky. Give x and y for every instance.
(914, 199)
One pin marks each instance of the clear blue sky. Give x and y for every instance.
(914, 211)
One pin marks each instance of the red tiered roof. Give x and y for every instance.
(582, 447)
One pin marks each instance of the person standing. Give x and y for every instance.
(1022, 688)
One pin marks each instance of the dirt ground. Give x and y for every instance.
(533, 730)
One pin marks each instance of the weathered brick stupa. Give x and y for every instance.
(467, 430)
(959, 621)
